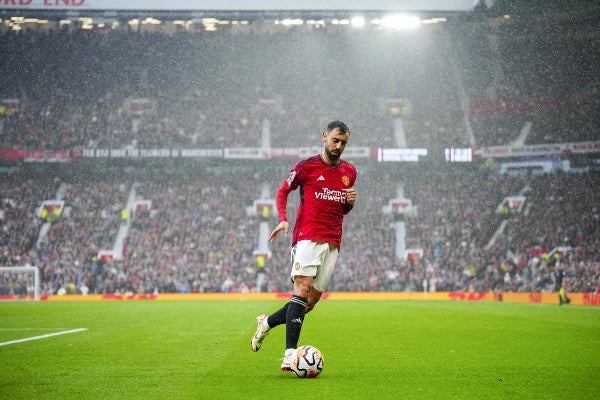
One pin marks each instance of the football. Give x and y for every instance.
(308, 363)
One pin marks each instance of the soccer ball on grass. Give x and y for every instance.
(308, 362)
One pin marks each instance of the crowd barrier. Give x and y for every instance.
(586, 299)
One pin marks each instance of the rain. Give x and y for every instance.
(140, 151)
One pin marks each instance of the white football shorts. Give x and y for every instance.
(316, 259)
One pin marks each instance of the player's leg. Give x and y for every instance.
(297, 309)
(323, 276)
(306, 257)
(295, 317)
(561, 295)
(312, 269)
(266, 322)
(313, 298)
(564, 298)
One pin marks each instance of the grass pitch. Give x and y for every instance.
(372, 349)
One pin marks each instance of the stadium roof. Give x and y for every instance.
(263, 10)
(238, 5)
(15, 14)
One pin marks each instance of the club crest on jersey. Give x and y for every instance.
(345, 180)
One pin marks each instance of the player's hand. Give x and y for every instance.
(350, 195)
(283, 226)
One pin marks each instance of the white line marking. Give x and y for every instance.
(31, 329)
(43, 336)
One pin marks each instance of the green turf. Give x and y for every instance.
(372, 349)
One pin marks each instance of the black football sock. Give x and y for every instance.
(278, 317)
(293, 321)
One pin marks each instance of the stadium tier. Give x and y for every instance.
(133, 155)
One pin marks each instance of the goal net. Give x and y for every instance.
(19, 283)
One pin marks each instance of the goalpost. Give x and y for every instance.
(9, 275)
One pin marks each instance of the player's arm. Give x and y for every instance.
(283, 226)
(350, 191)
(281, 203)
(350, 199)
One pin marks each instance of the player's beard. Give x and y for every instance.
(332, 156)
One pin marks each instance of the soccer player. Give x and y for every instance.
(327, 193)
(559, 284)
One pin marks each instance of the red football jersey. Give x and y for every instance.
(322, 201)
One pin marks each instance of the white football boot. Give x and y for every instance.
(289, 359)
(262, 330)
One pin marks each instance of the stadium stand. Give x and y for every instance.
(197, 237)
(201, 90)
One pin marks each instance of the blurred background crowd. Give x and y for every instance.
(198, 237)
(486, 81)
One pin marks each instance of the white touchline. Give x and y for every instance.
(43, 336)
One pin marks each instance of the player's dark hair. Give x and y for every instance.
(340, 125)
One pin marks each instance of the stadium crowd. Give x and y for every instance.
(215, 90)
(198, 237)
(208, 89)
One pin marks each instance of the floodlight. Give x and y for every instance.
(357, 21)
(401, 21)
